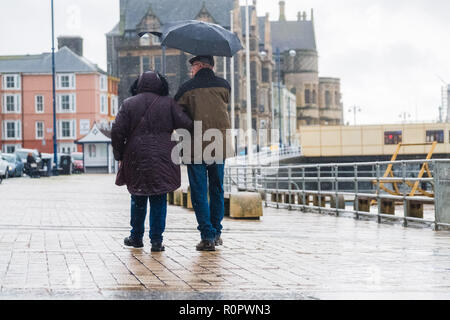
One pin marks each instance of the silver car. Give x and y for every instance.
(4, 169)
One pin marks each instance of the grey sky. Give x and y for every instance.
(387, 53)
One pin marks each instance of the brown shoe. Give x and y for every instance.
(206, 245)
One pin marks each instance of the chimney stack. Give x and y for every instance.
(74, 43)
(282, 10)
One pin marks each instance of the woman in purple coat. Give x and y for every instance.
(141, 139)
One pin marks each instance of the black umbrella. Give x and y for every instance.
(198, 38)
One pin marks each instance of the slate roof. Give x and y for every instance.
(288, 35)
(174, 10)
(65, 61)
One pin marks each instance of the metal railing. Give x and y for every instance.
(349, 183)
(266, 157)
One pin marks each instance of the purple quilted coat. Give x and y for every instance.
(147, 164)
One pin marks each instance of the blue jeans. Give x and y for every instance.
(209, 215)
(158, 213)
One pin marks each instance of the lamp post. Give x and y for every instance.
(292, 53)
(55, 143)
(279, 95)
(404, 116)
(233, 123)
(354, 109)
(248, 73)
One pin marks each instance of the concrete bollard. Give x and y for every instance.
(244, 205)
(300, 199)
(340, 202)
(187, 200)
(388, 206)
(415, 209)
(322, 201)
(178, 197)
(289, 198)
(363, 204)
(170, 198)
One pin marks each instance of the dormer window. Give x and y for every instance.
(65, 81)
(11, 82)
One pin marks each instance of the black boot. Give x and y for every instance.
(158, 247)
(130, 242)
(206, 245)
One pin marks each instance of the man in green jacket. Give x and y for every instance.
(206, 98)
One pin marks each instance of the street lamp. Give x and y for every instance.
(404, 116)
(354, 109)
(55, 144)
(292, 53)
(248, 71)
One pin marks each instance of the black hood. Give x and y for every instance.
(150, 82)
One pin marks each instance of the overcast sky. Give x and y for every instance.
(388, 54)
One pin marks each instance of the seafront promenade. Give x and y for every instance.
(62, 238)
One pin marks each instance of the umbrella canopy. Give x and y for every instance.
(199, 38)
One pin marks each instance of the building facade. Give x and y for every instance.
(129, 56)
(367, 142)
(319, 100)
(84, 94)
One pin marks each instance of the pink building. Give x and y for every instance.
(84, 95)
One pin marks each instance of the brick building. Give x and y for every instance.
(84, 94)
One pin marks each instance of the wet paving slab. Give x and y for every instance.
(62, 238)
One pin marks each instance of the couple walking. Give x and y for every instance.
(142, 142)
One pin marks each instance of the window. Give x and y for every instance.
(392, 137)
(11, 82)
(156, 40)
(39, 103)
(145, 64)
(39, 130)
(337, 98)
(327, 99)
(66, 103)
(92, 151)
(307, 96)
(114, 105)
(11, 103)
(12, 130)
(65, 82)
(314, 97)
(11, 148)
(103, 104)
(435, 135)
(158, 64)
(66, 129)
(103, 83)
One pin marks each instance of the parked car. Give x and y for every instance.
(16, 165)
(4, 169)
(77, 162)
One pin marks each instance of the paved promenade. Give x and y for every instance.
(62, 238)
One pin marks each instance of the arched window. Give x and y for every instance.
(327, 99)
